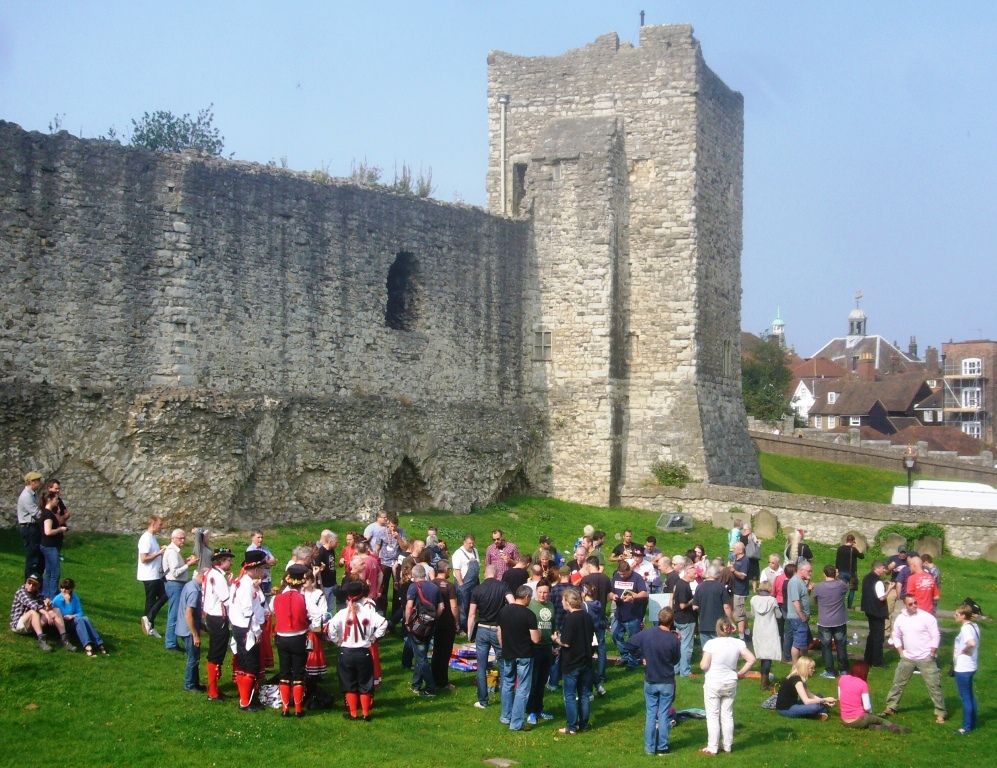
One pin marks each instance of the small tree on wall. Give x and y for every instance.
(162, 131)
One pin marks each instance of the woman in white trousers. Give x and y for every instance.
(719, 662)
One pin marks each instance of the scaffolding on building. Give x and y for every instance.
(965, 403)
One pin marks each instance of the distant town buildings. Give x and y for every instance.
(970, 387)
(862, 381)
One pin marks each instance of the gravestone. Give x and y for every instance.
(893, 542)
(765, 525)
(928, 545)
(991, 554)
(724, 518)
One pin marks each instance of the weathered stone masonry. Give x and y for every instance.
(628, 160)
(208, 339)
(229, 344)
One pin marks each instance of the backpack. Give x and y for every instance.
(422, 620)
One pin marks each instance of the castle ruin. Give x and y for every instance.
(231, 344)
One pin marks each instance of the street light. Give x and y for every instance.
(909, 465)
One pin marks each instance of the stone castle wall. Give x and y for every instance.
(208, 338)
(968, 533)
(977, 470)
(674, 251)
(228, 343)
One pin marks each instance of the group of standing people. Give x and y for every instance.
(544, 616)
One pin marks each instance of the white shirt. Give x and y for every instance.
(175, 568)
(365, 625)
(725, 652)
(647, 570)
(966, 662)
(768, 574)
(153, 569)
(216, 593)
(317, 607)
(462, 558)
(247, 604)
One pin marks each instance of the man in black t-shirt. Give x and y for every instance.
(598, 582)
(487, 599)
(675, 574)
(519, 574)
(626, 548)
(518, 632)
(325, 559)
(713, 602)
(575, 640)
(685, 616)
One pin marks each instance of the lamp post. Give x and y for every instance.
(909, 465)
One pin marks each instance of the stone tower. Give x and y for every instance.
(628, 162)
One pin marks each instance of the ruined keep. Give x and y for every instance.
(230, 344)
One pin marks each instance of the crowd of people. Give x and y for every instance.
(543, 616)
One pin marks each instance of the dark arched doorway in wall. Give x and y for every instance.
(513, 483)
(404, 293)
(406, 490)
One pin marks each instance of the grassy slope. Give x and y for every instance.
(791, 474)
(129, 708)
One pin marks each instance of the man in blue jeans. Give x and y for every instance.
(832, 620)
(189, 628)
(629, 592)
(487, 600)
(575, 640)
(518, 634)
(798, 601)
(659, 647)
(685, 616)
(424, 591)
(466, 569)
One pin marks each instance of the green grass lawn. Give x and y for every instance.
(791, 474)
(129, 709)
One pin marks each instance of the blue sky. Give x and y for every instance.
(870, 127)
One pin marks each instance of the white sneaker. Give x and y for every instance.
(600, 689)
(154, 633)
(479, 705)
(146, 625)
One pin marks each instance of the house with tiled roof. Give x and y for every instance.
(887, 358)
(929, 411)
(886, 405)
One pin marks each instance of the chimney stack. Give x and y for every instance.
(912, 347)
(867, 367)
(931, 361)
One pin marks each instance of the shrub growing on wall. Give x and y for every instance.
(671, 473)
(911, 533)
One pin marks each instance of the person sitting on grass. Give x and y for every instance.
(68, 603)
(856, 704)
(794, 698)
(32, 613)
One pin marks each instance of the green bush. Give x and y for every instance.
(911, 533)
(671, 473)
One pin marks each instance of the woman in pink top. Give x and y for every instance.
(855, 702)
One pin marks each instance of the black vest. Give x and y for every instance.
(872, 605)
